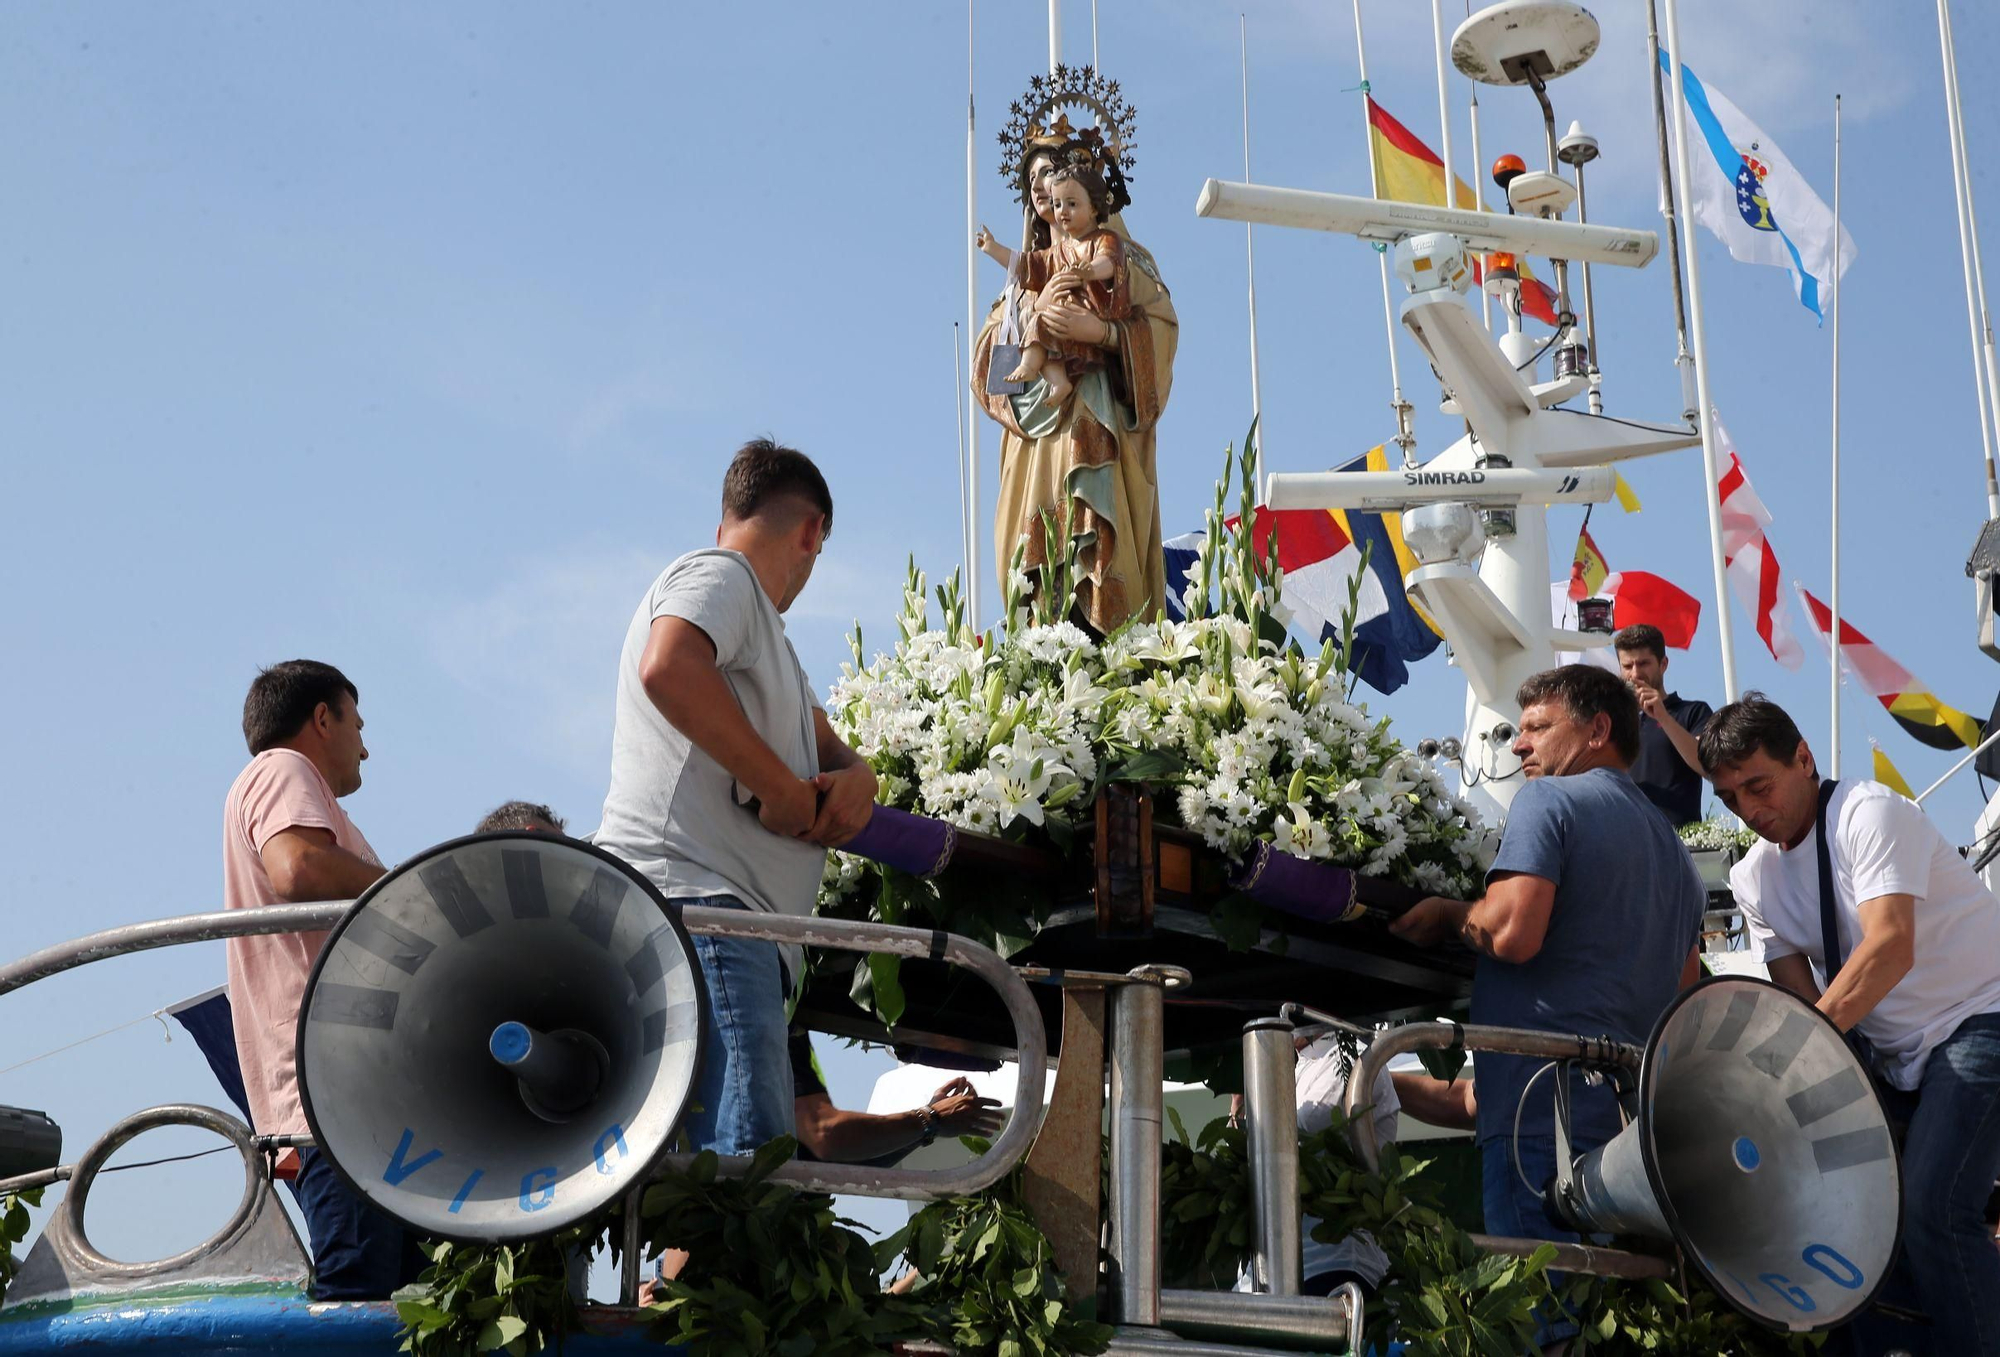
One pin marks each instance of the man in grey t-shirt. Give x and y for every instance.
(1588, 925)
(728, 784)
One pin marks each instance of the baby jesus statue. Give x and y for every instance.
(1083, 254)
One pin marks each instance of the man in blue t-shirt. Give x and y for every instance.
(1588, 925)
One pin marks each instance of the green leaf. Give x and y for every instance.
(886, 973)
(1238, 920)
(1151, 766)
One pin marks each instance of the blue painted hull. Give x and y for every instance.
(256, 1319)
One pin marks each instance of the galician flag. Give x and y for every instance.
(1741, 187)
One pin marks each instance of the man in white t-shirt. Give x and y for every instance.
(1916, 972)
(728, 784)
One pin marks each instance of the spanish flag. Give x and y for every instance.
(1408, 171)
(1587, 569)
(1916, 709)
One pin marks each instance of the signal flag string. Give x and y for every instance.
(157, 1015)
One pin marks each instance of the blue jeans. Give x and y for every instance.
(1511, 1208)
(1951, 1158)
(358, 1253)
(743, 1094)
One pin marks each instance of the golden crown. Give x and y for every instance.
(1105, 144)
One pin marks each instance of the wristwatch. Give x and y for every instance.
(930, 1120)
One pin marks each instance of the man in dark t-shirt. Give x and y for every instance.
(1588, 925)
(1668, 770)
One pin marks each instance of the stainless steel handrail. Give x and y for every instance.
(1386, 1046)
(1031, 1040)
(126, 939)
(1030, 1048)
(1441, 1036)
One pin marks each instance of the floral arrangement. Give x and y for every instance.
(1242, 736)
(1717, 832)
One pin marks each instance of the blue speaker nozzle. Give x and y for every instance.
(511, 1042)
(559, 1073)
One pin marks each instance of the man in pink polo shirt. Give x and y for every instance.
(285, 839)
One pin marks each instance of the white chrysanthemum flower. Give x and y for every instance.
(1056, 643)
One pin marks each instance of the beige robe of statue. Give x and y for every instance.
(1096, 453)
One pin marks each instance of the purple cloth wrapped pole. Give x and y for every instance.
(1312, 890)
(910, 843)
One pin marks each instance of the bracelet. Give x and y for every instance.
(929, 1119)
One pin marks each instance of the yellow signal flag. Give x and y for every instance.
(1886, 774)
(1628, 498)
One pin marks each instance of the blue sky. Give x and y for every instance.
(416, 338)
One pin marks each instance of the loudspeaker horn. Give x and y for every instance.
(501, 1036)
(1761, 1149)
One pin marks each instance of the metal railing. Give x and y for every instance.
(1444, 1036)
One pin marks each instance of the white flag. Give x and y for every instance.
(1742, 187)
(1746, 552)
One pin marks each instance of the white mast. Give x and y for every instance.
(971, 332)
(1055, 35)
(1444, 108)
(1404, 438)
(1833, 753)
(1479, 197)
(1968, 247)
(1250, 253)
(1725, 630)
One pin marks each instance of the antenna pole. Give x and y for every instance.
(971, 329)
(1479, 195)
(1833, 752)
(1968, 247)
(1683, 359)
(1250, 255)
(966, 544)
(1725, 628)
(1405, 438)
(1444, 108)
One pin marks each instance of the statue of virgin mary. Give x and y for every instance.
(1089, 460)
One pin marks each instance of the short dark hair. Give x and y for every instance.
(1587, 692)
(283, 698)
(1091, 182)
(1641, 636)
(520, 815)
(763, 471)
(1745, 726)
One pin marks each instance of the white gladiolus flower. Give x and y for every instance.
(1239, 732)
